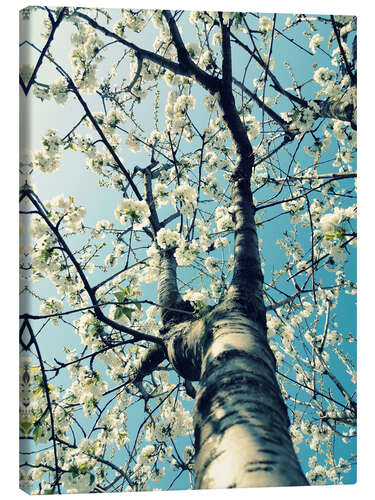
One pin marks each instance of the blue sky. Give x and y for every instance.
(81, 185)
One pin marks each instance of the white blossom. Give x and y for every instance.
(315, 42)
(324, 75)
(265, 25)
(134, 212)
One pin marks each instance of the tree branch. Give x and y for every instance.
(55, 25)
(97, 307)
(353, 78)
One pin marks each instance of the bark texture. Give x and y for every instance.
(345, 111)
(240, 419)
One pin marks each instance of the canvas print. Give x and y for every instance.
(188, 249)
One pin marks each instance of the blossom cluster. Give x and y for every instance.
(65, 209)
(84, 57)
(174, 421)
(175, 111)
(87, 389)
(330, 222)
(315, 42)
(134, 212)
(57, 89)
(134, 21)
(265, 25)
(52, 306)
(167, 238)
(161, 194)
(185, 197)
(223, 219)
(47, 260)
(48, 159)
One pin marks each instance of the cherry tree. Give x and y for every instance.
(206, 307)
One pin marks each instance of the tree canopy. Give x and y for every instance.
(195, 166)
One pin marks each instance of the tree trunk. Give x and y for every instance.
(345, 111)
(240, 419)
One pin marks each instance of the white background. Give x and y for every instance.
(9, 244)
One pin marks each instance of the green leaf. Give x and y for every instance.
(120, 296)
(120, 311)
(37, 432)
(128, 311)
(237, 19)
(74, 471)
(137, 304)
(295, 114)
(45, 254)
(340, 233)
